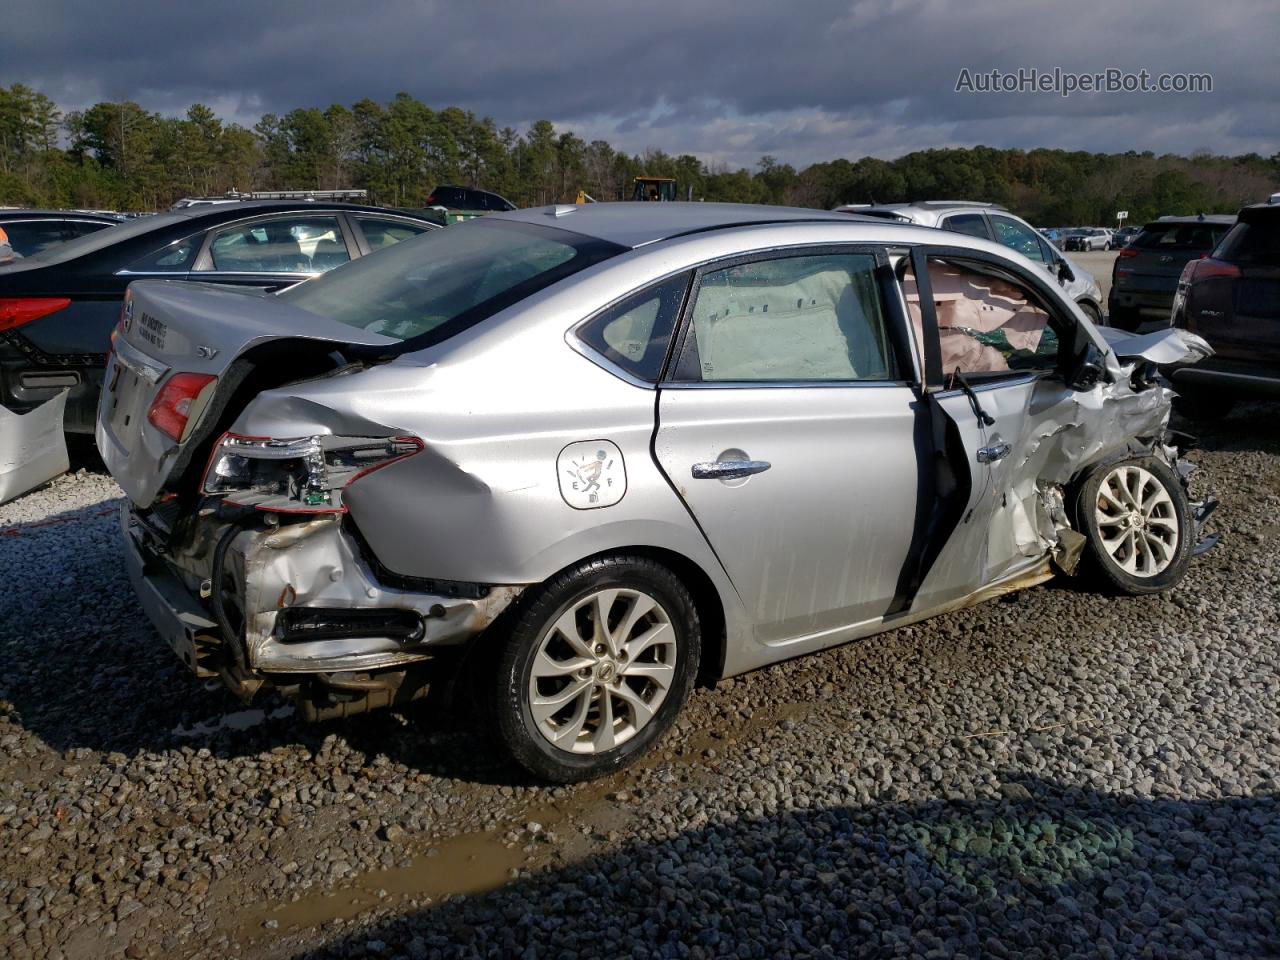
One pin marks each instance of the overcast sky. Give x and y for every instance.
(728, 80)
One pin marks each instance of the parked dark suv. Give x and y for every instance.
(468, 198)
(1145, 273)
(1232, 299)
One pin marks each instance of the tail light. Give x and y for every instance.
(16, 312)
(1208, 268)
(171, 410)
(1126, 252)
(303, 475)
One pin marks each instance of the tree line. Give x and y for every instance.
(121, 156)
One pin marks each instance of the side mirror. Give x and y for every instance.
(1089, 370)
(1065, 273)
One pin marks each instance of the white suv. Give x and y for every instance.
(993, 222)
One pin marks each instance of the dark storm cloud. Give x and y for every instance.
(727, 80)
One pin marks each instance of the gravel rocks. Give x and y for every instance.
(1054, 774)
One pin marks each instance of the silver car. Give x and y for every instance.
(1088, 239)
(993, 222)
(573, 460)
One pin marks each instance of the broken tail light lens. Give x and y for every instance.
(302, 475)
(171, 410)
(19, 311)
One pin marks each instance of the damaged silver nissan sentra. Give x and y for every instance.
(583, 456)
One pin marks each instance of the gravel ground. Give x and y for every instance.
(1055, 774)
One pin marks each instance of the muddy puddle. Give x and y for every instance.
(467, 864)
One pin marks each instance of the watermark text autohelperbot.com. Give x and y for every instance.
(1065, 83)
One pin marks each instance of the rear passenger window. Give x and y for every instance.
(986, 324)
(381, 233)
(970, 223)
(808, 318)
(33, 236)
(1018, 237)
(175, 258)
(285, 245)
(635, 333)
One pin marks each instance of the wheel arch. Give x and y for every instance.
(708, 600)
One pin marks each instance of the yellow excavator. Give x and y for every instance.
(645, 188)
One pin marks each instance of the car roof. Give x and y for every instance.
(17, 213)
(923, 205)
(238, 208)
(177, 223)
(1227, 218)
(636, 224)
(1256, 212)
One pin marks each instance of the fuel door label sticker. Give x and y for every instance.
(592, 474)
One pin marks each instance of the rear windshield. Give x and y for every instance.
(105, 238)
(1257, 242)
(1180, 236)
(424, 290)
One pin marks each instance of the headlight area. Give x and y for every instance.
(299, 475)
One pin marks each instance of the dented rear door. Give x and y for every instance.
(787, 429)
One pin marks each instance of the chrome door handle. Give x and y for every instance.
(997, 451)
(729, 469)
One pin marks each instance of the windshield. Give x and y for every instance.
(424, 290)
(105, 238)
(1252, 241)
(1180, 236)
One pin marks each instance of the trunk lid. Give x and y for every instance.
(177, 327)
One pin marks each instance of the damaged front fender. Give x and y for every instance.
(1160, 347)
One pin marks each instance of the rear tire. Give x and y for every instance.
(570, 701)
(1137, 521)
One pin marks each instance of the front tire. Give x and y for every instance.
(1137, 521)
(1090, 311)
(598, 663)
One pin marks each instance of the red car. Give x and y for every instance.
(1232, 298)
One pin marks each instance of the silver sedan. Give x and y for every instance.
(571, 461)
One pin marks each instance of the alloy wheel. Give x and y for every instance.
(602, 670)
(1137, 521)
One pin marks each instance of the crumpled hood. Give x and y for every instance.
(1170, 345)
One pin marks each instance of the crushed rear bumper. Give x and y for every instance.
(296, 602)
